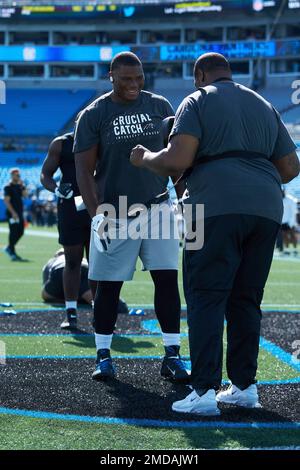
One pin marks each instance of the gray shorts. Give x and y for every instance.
(158, 249)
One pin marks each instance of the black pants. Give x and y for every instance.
(226, 279)
(16, 231)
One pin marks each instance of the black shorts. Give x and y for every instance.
(54, 285)
(73, 226)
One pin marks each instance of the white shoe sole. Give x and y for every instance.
(241, 404)
(209, 412)
(102, 377)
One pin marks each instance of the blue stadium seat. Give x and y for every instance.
(279, 97)
(40, 112)
(29, 164)
(292, 116)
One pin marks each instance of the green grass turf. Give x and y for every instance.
(21, 283)
(269, 368)
(31, 433)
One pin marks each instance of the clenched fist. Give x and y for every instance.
(136, 156)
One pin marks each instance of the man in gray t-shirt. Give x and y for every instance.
(115, 128)
(239, 152)
(105, 133)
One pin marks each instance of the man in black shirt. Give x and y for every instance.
(14, 191)
(74, 222)
(73, 225)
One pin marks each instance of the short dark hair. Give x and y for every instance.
(210, 62)
(14, 170)
(124, 58)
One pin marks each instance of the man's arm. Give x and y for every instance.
(85, 163)
(171, 161)
(10, 208)
(50, 165)
(288, 167)
(24, 190)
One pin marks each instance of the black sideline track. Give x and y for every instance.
(64, 385)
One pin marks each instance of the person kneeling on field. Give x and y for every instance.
(53, 290)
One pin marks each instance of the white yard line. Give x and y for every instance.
(280, 305)
(20, 281)
(34, 233)
(282, 283)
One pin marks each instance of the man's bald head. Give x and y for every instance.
(209, 67)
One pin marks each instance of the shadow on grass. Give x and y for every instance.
(145, 403)
(121, 345)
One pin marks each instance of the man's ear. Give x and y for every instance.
(198, 78)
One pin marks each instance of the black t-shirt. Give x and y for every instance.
(67, 162)
(57, 264)
(14, 191)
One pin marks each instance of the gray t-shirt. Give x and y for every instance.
(226, 116)
(117, 128)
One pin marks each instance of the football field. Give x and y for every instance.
(47, 397)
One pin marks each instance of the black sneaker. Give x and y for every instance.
(9, 252)
(173, 367)
(104, 366)
(70, 323)
(16, 257)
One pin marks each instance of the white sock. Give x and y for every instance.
(171, 339)
(71, 304)
(103, 341)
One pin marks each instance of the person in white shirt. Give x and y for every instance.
(289, 221)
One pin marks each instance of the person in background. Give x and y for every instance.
(53, 289)
(74, 222)
(289, 222)
(14, 192)
(73, 225)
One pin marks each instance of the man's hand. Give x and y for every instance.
(15, 216)
(137, 155)
(64, 191)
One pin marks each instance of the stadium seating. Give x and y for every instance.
(292, 115)
(40, 111)
(279, 97)
(29, 164)
(174, 96)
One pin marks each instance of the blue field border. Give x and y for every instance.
(279, 353)
(88, 335)
(148, 422)
(144, 307)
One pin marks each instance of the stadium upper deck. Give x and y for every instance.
(46, 45)
(68, 45)
(59, 42)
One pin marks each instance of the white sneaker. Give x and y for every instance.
(247, 398)
(205, 405)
